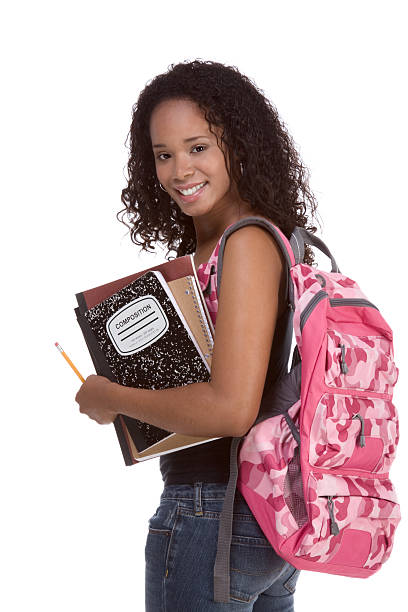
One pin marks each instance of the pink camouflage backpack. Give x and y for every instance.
(314, 467)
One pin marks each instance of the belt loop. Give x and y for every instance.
(198, 508)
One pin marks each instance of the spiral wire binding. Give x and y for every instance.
(204, 327)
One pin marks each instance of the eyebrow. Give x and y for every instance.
(185, 140)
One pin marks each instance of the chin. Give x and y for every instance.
(196, 209)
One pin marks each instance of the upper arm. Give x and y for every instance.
(247, 313)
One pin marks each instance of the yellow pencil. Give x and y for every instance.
(63, 353)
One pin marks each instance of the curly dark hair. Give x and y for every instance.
(275, 181)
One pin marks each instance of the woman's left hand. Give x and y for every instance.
(96, 399)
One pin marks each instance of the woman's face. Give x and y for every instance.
(186, 153)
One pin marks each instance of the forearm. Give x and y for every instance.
(193, 410)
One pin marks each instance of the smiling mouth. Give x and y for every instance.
(199, 185)
(193, 196)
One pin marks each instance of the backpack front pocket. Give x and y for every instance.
(355, 520)
(354, 432)
(360, 362)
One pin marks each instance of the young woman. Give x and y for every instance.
(206, 150)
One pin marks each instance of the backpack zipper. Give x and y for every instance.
(334, 528)
(362, 436)
(304, 315)
(351, 302)
(343, 364)
(320, 295)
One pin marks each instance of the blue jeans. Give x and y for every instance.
(180, 554)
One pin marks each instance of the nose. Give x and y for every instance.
(182, 168)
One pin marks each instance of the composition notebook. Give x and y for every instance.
(153, 334)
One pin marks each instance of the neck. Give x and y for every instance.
(210, 227)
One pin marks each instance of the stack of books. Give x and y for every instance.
(150, 330)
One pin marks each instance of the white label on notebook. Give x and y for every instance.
(137, 325)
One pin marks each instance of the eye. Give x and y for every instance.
(196, 147)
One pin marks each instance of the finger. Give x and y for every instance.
(78, 394)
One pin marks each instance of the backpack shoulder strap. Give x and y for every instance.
(221, 575)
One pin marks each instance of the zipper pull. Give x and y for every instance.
(343, 364)
(334, 528)
(362, 437)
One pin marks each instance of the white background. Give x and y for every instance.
(74, 518)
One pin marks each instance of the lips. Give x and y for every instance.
(194, 196)
(184, 187)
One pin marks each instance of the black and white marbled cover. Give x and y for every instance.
(162, 355)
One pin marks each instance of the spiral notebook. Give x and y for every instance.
(150, 334)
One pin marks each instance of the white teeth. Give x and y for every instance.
(192, 190)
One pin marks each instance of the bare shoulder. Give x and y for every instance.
(253, 238)
(252, 255)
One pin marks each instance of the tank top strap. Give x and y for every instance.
(206, 274)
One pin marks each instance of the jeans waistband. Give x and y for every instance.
(197, 491)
